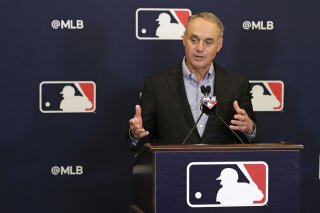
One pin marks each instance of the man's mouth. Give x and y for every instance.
(198, 57)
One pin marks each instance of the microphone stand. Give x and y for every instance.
(233, 132)
(206, 91)
(194, 126)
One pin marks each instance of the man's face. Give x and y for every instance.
(202, 42)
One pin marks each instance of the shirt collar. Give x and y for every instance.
(190, 76)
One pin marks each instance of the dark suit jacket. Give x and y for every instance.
(166, 112)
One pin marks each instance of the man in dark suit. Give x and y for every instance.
(170, 101)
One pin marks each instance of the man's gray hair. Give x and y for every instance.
(209, 17)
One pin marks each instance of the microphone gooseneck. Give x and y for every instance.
(233, 132)
(194, 126)
(205, 91)
(207, 106)
(208, 111)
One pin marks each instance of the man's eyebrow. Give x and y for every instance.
(206, 39)
(209, 39)
(193, 36)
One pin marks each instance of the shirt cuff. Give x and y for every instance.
(133, 141)
(252, 136)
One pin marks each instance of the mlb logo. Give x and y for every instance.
(67, 96)
(161, 24)
(267, 95)
(228, 184)
(210, 102)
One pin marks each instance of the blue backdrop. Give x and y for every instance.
(79, 162)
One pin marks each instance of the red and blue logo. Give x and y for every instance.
(67, 96)
(229, 184)
(267, 95)
(161, 23)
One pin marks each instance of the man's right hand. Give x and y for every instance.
(136, 127)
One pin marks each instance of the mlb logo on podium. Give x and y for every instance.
(161, 24)
(67, 96)
(227, 184)
(267, 95)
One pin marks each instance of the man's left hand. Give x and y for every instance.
(241, 121)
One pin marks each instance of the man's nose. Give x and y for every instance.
(200, 46)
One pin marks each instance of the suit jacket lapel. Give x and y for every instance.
(179, 92)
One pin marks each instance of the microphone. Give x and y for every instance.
(205, 90)
(207, 103)
(208, 88)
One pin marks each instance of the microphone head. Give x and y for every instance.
(203, 90)
(208, 89)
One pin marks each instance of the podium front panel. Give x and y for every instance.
(267, 181)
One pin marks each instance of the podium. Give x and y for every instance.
(188, 178)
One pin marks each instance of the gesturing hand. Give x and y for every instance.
(241, 121)
(136, 127)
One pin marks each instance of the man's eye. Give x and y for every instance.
(194, 40)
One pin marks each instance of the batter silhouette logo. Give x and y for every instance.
(267, 95)
(228, 184)
(67, 96)
(161, 23)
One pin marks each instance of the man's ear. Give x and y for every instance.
(220, 43)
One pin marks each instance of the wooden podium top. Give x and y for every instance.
(227, 147)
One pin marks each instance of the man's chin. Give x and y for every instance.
(201, 64)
